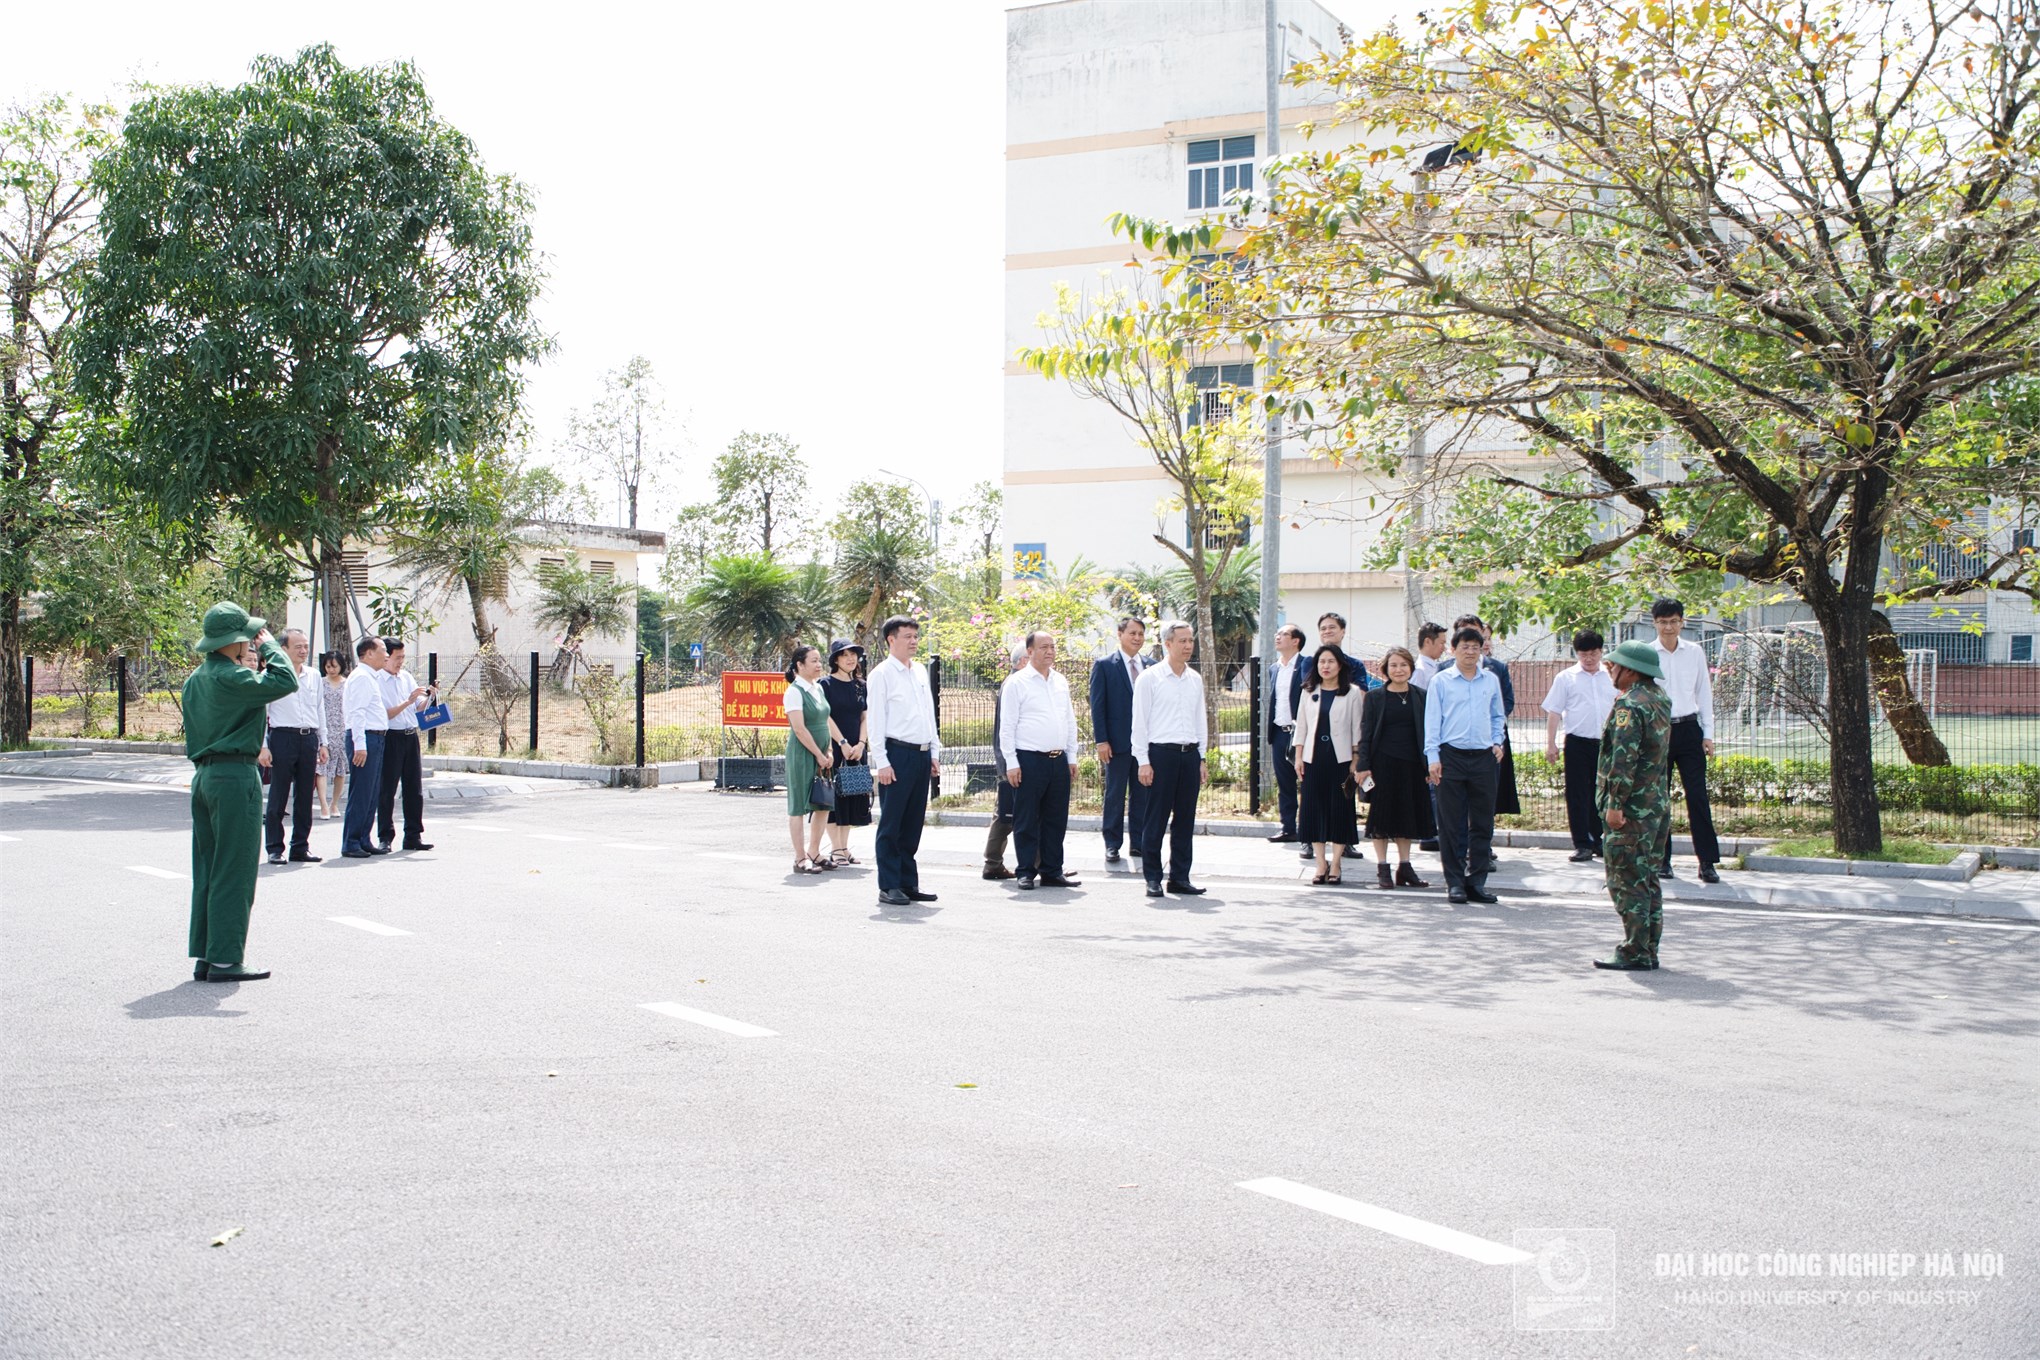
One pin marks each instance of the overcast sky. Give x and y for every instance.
(794, 210)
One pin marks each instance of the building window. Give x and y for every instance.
(1220, 534)
(2022, 646)
(1953, 648)
(1216, 386)
(496, 585)
(1219, 167)
(2023, 540)
(548, 565)
(598, 567)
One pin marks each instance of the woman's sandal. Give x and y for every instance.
(822, 865)
(1320, 878)
(841, 857)
(804, 865)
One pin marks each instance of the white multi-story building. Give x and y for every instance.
(1157, 110)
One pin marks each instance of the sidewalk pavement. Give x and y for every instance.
(120, 767)
(2000, 894)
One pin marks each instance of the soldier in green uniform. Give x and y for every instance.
(225, 703)
(1635, 801)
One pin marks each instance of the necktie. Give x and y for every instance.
(1132, 672)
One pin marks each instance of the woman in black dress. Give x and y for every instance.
(847, 728)
(1327, 729)
(1392, 753)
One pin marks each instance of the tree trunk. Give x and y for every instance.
(1207, 646)
(15, 700)
(1902, 708)
(631, 489)
(1852, 776)
(485, 634)
(339, 627)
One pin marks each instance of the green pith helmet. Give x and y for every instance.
(1640, 657)
(225, 625)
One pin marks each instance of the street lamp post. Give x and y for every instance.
(934, 507)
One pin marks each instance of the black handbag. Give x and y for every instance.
(821, 792)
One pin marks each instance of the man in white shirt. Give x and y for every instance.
(368, 718)
(1430, 654)
(906, 752)
(1038, 738)
(1169, 738)
(1690, 685)
(292, 750)
(402, 763)
(1579, 702)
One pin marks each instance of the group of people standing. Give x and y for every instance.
(255, 708)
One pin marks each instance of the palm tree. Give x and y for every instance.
(580, 604)
(812, 614)
(875, 568)
(746, 605)
(467, 538)
(1235, 598)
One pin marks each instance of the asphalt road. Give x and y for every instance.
(1265, 1122)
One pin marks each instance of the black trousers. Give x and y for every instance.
(1123, 788)
(400, 766)
(1001, 829)
(1466, 813)
(1582, 769)
(1041, 813)
(902, 809)
(1171, 807)
(1281, 745)
(1689, 763)
(293, 779)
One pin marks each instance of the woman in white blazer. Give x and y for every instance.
(1327, 733)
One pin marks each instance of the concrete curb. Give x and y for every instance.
(1959, 870)
(608, 776)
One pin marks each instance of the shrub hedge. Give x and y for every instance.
(1758, 781)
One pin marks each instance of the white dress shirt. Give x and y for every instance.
(795, 707)
(397, 690)
(1582, 699)
(1427, 666)
(1168, 708)
(302, 708)
(1278, 681)
(1687, 681)
(900, 708)
(367, 710)
(1035, 715)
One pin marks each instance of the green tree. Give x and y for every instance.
(1131, 350)
(876, 505)
(625, 437)
(877, 569)
(1751, 276)
(581, 605)
(308, 291)
(699, 534)
(980, 523)
(47, 239)
(745, 605)
(761, 485)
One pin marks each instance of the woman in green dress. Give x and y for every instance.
(807, 754)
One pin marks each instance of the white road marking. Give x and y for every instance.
(483, 826)
(152, 871)
(629, 845)
(1388, 1221)
(552, 836)
(372, 927)
(727, 1026)
(726, 854)
(10, 839)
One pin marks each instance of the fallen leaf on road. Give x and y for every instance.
(227, 1236)
(966, 1086)
(552, 1074)
(1134, 1186)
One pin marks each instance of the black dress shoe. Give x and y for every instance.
(1306, 852)
(1154, 890)
(1186, 889)
(378, 849)
(417, 845)
(1133, 850)
(276, 856)
(308, 858)
(1581, 857)
(1285, 838)
(198, 970)
(1429, 847)
(1707, 874)
(995, 873)
(1494, 866)
(915, 895)
(1621, 966)
(1059, 881)
(1481, 895)
(1112, 857)
(1456, 895)
(354, 854)
(1026, 883)
(215, 973)
(893, 897)
(1665, 872)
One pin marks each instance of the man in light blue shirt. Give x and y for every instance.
(1463, 729)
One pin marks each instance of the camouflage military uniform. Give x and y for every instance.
(1634, 747)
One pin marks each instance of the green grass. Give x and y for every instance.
(1894, 851)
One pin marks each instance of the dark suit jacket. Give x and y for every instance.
(1501, 670)
(1371, 711)
(1112, 701)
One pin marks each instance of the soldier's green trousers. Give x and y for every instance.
(226, 851)
(1631, 857)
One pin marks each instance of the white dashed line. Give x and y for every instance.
(629, 845)
(552, 836)
(727, 1026)
(152, 871)
(372, 927)
(728, 854)
(10, 839)
(1389, 1221)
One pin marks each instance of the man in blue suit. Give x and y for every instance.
(1112, 680)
